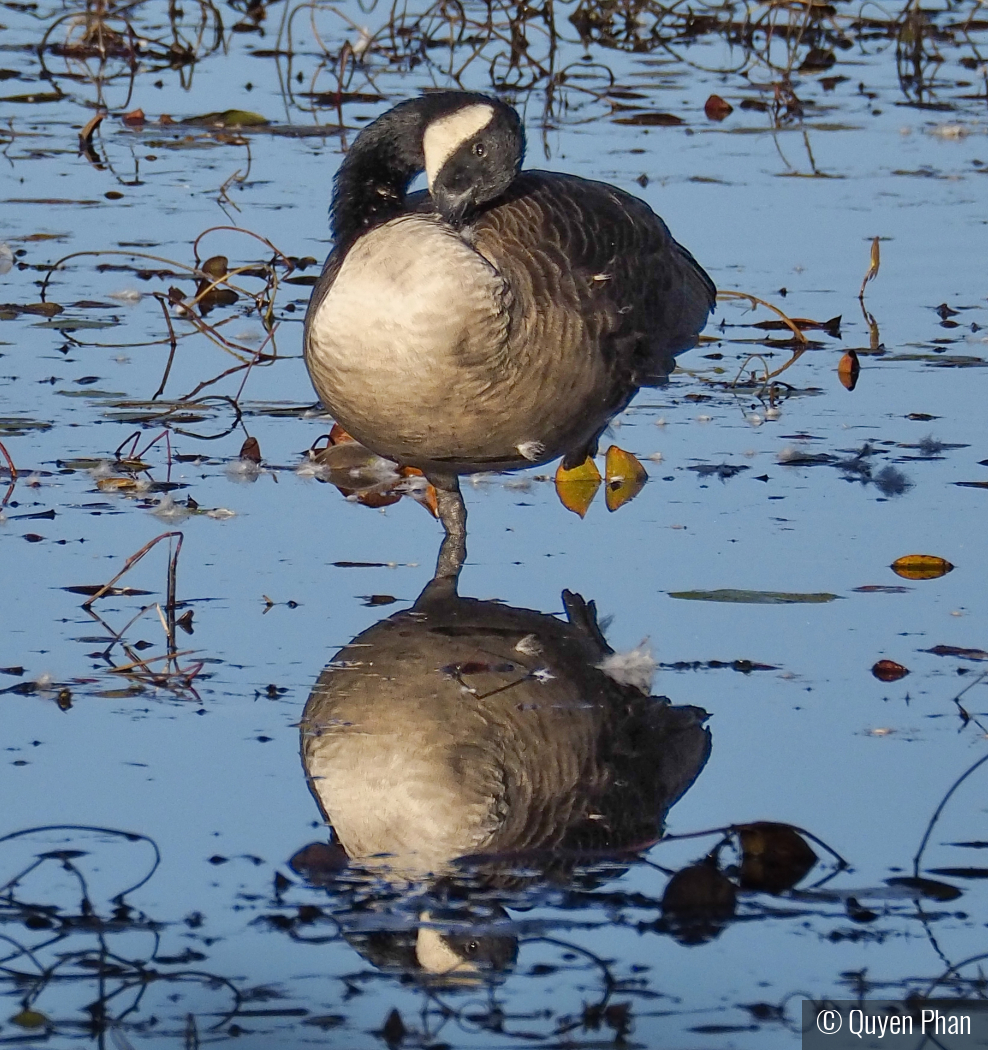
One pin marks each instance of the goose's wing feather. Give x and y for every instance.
(605, 262)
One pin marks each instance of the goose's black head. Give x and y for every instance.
(472, 155)
(470, 146)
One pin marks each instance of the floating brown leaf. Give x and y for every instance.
(651, 119)
(576, 488)
(804, 324)
(250, 450)
(624, 475)
(44, 309)
(956, 650)
(921, 567)
(717, 108)
(889, 671)
(774, 857)
(134, 118)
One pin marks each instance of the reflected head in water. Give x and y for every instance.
(500, 319)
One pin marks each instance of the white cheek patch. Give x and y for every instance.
(444, 137)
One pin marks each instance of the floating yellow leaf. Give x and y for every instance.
(116, 484)
(921, 567)
(624, 475)
(29, 1019)
(576, 488)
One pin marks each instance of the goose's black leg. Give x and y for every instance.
(453, 515)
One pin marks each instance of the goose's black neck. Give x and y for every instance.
(372, 181)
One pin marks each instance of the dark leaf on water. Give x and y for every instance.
(33, 537)
(971, 484)
(804, 324)
(17, 672)
(651, 119)
(955, 650)
(882, 588)
(251, 450)
(921, 417)
(730, 594)
(394, 1030)
(360, 564)
(937, 891)
(36, 96)
(962, 873)
(720, 470)
(377, 599)
(90, 589)
(48, 515)
(697, 902)
(774, 857)
(817, 59)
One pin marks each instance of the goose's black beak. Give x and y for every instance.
(453, 206)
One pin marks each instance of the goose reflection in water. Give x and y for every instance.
(470, 751)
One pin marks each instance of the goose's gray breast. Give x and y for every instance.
(411, 314)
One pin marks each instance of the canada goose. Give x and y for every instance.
(462, 727)
(502, 319)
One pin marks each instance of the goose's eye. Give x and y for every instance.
(479, 149)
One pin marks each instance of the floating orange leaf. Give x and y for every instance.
(921, 567)
(375, 497)
(338, 436)
(624, 475)
(848, 370)
(427, 496)
(889, 671)
(576, 488)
